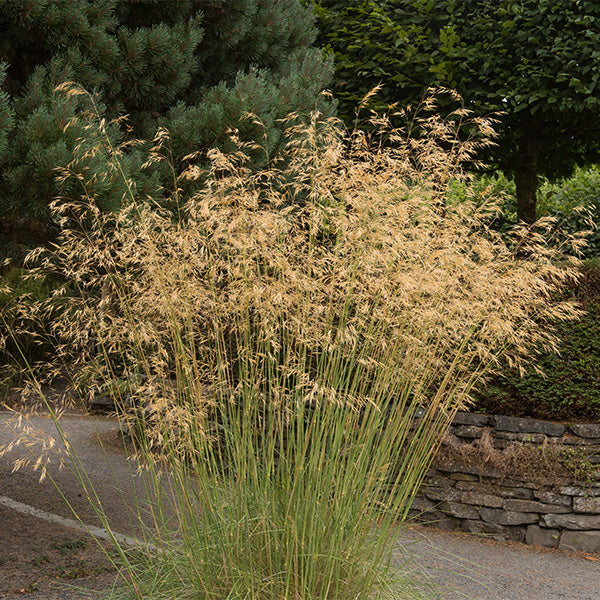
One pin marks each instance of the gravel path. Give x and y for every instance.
(466, 566)
(38, 559)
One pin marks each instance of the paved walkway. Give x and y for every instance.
(42, 550)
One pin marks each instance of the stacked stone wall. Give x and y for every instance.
(520, 479)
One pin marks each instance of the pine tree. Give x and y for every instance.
(6, 116)
(195, 67)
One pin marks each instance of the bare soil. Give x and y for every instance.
(48, 561)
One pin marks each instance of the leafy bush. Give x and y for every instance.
(575, 202)
(27, 310)
(483, 187)
(569, 388)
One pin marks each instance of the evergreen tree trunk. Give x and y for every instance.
(526, 177)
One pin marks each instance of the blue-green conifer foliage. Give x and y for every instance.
(194, 67)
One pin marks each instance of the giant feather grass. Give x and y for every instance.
(293, 347)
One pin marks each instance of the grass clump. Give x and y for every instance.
(295, 343)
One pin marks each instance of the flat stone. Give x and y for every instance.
(502, 437)
(523, 425)
(481, 527)
(591, 490)
(464, 477)
(442, 494)
(532, 438)
(433, 473)
(468, 431)
(432, 517)
(533, 506)
(532, 485)
(507, 517)
(102, 404)
(465, 418)
(458, 510)
(572, 521)
(583, 541)
(476, 471)
(442, 521)
(481, 499)
(586, 504)
(552, 498)
(574, 440)
(541, 536)
(422, 505)
(495, 531)
(468, 485)
(586, 430)
(516, 492)
(516, 533)
(475, 486)
(438, 481)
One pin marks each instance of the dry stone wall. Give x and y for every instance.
(513, 478)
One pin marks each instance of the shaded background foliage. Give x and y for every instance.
(537, 61)
(570, 386)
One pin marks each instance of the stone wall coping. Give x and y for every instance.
(467, 418)
(522, 425)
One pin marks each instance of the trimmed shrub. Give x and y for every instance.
(569, 388)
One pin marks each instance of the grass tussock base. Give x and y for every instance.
(277, 340)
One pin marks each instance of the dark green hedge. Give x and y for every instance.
(571, 389)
